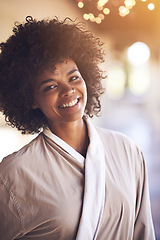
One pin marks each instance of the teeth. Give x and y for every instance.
(70, 104)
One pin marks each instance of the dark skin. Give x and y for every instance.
(61, 95)
(69, 133)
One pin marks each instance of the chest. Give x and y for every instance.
(51, 202)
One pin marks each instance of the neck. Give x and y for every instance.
(74, 134)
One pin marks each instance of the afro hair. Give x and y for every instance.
(34, 46)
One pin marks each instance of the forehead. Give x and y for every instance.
(64, 65)
(60, 66)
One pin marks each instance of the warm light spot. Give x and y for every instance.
(129, 3)
(80, 4)
(123, 11)
(139, 79)
(101, 16)
(151, 6)
(138, 53)
(143, 0)
(115, 83)
(101, 3)
(133, 3)
(91, 16)
(92, 19)
(100, 8)
(106, 11)
(86, 16)
(98, 20)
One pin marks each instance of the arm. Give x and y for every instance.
(10, 223)
(143, 228)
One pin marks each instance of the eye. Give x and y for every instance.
(50, 87)
(73, 78)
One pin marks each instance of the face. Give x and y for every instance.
(61, 93)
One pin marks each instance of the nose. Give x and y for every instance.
(67, 90)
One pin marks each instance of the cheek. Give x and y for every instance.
(46, 102)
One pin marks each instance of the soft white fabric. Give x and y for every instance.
(47, 194)
(94, 190)
(60, 143)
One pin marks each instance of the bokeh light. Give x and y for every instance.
(106, 11)
(86, 16)
(138, 53)
(151, 6)
(80, 4)
(123, 11)
(139, 79)
(101, 3)
(115, 84)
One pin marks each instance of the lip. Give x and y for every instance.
(69, 104)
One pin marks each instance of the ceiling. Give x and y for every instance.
(17, 10)
(140, 24)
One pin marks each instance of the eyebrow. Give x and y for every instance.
(46, 81)
(52, 79)
(72, 71)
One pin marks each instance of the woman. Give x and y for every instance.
(73, 181)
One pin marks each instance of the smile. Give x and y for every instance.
(70, 104)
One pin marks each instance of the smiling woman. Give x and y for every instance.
(32, 48)
(74, 180)
(60, 94)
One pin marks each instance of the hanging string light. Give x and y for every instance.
(80, 4)
(129, 3)
(106, 11)
(101, 5)
(123, 11)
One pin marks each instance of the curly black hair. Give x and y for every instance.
(35, 45)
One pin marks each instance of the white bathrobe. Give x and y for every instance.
(48, 191)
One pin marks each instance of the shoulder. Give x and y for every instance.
(15, 171)
(122, 154)
(115, 137)
(117, 143)
(18, 157)
(15, 182)
(120, 146)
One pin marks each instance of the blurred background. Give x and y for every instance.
(130, 31)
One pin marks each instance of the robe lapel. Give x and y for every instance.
(94, 189)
